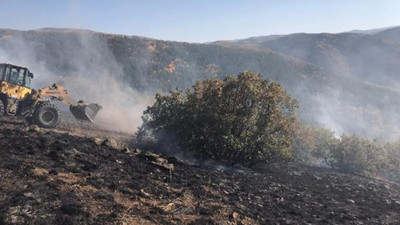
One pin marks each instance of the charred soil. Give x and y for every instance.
(68, 177)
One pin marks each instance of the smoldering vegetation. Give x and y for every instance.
(217, 120)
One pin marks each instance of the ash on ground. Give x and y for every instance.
(73, 176)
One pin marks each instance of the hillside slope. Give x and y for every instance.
(142, 62)
(109, 68)
(54, 177)
(368, 57)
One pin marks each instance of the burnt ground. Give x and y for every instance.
(63, 177)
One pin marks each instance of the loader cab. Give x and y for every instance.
(16, 75)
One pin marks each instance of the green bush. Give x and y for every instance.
(312, 143)
(392, 162)
(351, 154)
(356, 154)
(244, 119)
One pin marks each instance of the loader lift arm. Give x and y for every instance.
(81, 110)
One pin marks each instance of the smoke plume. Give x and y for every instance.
(89, 72)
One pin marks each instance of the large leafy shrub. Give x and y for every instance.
(244, 119)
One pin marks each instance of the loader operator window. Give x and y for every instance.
(27, 81)
(7, 74)
(17, 76)
(2, 73)
(14, 76)
(21, 77)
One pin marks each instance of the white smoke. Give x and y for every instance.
(96, 77)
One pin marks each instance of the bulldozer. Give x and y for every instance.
(17, 98)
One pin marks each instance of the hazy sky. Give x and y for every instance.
(201, 20)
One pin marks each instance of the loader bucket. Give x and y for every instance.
(84, 111)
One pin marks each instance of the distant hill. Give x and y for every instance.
(391, 34)
(372, 56)
(371, 31)
(344, 81)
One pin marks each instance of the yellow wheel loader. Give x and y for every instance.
(18, 99)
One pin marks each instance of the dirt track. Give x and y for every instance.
(65, 177)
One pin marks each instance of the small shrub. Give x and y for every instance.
(244, 119)
(356, 154)
(312, 143)
(351, 154)
(392, 163)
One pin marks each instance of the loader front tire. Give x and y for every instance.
(46, 115)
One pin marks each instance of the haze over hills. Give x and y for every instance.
(347, 82)
(371, 56)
